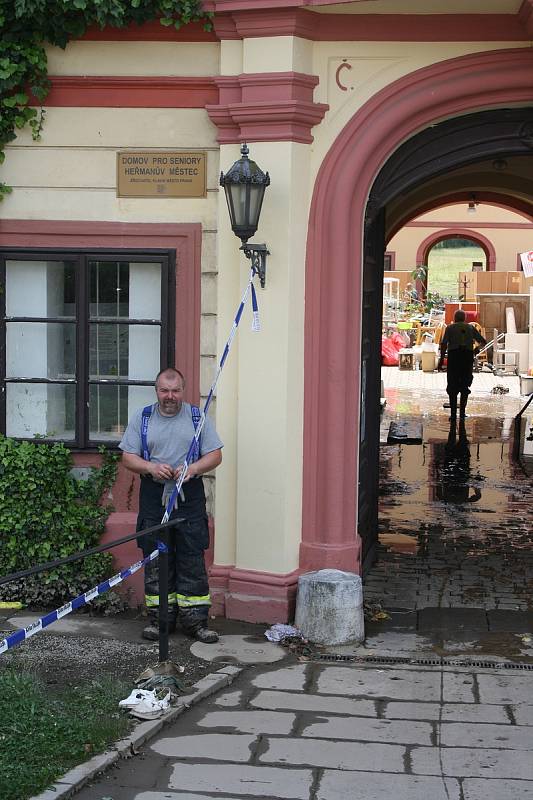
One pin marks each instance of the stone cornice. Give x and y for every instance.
(111, 91)
(238, 19)
(243, 19)
(266, 107)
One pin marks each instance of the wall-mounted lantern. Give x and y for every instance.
(244, 184)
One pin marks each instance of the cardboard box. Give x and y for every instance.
(514, 282)
(498, 283)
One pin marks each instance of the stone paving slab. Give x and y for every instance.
(314, 703)
(370, 786)
(466, 762)
(183, 796)
(250, 721)
(335, 755)
(402, 643)
(523, 714)
(479, 789)
(229, 699)
(464, 734)
(464, 712)
(400, 685)
(503, 689)
(288, 678)
(371, 730)
(459, 687)
(217, 746)
(410, 711)
(242, 780)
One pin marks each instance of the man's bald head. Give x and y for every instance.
(169, 372)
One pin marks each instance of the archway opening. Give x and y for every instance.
(339, 499)
(442, 486)
(447, 259)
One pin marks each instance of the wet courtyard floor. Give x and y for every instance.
(455, 556)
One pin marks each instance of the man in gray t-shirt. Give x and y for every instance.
(154, 446)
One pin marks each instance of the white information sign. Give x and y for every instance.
(527, 263)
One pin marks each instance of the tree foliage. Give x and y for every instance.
(28, 26)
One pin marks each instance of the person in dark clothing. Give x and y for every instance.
(154, 446)
(458, 344)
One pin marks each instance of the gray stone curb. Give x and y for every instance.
(72, 781)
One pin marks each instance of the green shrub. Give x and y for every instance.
(47, 514)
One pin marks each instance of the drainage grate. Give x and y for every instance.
(425, 662)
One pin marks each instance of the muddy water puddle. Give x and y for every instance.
(455, 513)
(460, 476)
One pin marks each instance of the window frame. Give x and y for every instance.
(82, 381)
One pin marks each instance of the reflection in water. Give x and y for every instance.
(399, 542)
(455, 473)
(455, 525)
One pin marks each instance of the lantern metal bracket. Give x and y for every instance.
(257, 253)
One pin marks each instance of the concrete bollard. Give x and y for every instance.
(329, 607)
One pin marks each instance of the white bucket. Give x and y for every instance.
(526, 384)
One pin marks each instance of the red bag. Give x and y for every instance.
(389, 353)
(399, 341)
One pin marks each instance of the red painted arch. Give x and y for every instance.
(334, 275)
(457, 233)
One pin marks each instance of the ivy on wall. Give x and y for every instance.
(28, 26)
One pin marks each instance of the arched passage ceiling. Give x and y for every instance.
(504, 181)
(489, 153)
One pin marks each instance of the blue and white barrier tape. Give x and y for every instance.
(255, 327)
(25, 633)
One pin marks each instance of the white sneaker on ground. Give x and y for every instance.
(151, 707)
(136, 697)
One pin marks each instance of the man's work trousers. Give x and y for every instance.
(188, 589)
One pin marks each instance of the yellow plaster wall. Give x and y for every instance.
(278, 54)
(374, 65)
(134, 58)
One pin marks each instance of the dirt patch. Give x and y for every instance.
(117, 651)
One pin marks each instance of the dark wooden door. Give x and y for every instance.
(373, 266)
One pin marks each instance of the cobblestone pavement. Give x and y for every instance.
(456, 522)
(328, 732)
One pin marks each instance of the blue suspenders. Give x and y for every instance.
(145, 419)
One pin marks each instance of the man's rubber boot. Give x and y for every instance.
(204, 635)
(151, 632)
(453, 407)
